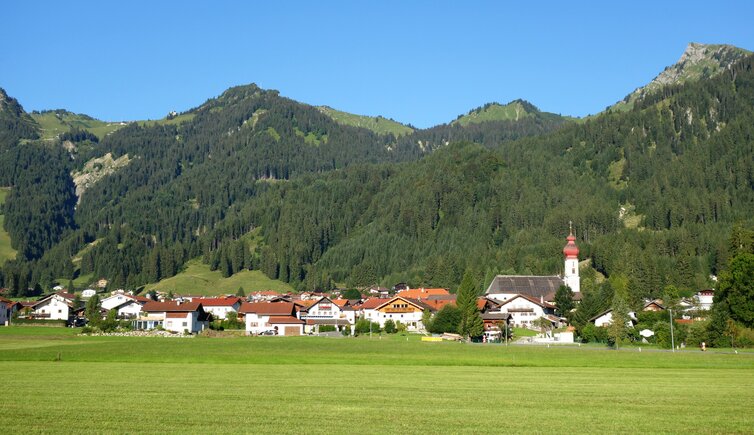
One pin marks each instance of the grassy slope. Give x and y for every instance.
(52, 125)
(382, 386)
(6, 252)
(495, 112)
(197, 279)
(377, 124)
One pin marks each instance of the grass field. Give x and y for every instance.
(377, 124)
(348, 385)
(197, 279)
(53, 124)
(6, 251)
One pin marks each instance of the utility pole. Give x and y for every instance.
(672, 339)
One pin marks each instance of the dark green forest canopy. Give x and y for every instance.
(652, 193)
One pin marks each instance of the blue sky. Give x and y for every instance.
(419, 62)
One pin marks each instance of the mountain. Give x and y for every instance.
(653, 193)
(15, 123)
(698, 62)
(513, 111)
(377, 124)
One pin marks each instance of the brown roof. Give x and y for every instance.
(267, 308)
(219, 302)
(160, 307)
(438, 304)
(7, 301)
(423, 293)
(285, 319)
(175, 315)
(341, 302)
(419, 304)
(535, 286)
(370, 304)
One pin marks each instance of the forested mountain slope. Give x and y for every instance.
(341, 204)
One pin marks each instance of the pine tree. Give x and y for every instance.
(241, 293)
(618, 328)
(471, 324)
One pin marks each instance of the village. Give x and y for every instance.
(510, 301)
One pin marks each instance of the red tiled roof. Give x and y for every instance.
(175, 315)
(422, 293)
(341, 302)
(438, 304)
(141, 299)
(218, 302)
(160, 307)
(370, 304)
(285, 319)
(7, 301)
(269, 308)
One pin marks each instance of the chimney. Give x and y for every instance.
(541, 299)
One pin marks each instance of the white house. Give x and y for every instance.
(220, 307)
(368, 309)
(524, 310)
(605, 318)
(5, 307)
(704, 299)
(278, 318)
(404, 310)
(326, 312)
(129, 309)
(57, 306)
(88, 293)
(118, 298)
(174, 316)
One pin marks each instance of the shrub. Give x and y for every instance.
(363, 326)
(87, 330)
(390, 326)
(327, 328)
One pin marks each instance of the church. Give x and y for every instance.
(543, 288)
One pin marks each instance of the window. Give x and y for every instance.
(184, 324)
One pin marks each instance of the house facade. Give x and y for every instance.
(407, 311)
(274, 318)
(5, 306)
(178, 317)
(524, 310)
(220, 307)
(326, 312)
(57, 306)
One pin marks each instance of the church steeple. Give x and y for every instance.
(571, 252)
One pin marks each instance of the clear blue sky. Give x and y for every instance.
(419, 62)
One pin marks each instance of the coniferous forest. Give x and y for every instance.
(656, 195)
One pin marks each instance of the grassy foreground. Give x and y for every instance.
(321, 385)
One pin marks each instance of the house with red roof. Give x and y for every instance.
(57, 306)
(275, 318)
(422, 293)
(221, 306)
(368, 308)
(173, 316)
(326, 312)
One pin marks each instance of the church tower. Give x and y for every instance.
(571, 252)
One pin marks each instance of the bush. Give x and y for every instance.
(87, 330)
(593, 334)
(446, 320)
(346, 332)
(390, 326)
(697, 334)
(327, 328)
(363, 325)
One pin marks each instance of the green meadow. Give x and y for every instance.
(57, 381)
(198, 279)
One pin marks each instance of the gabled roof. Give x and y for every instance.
(422, 293)
(535, 286)
(370, 304)
(418, 304)
(175, 307)
(325, 299)
(267, 308)
(66, 296)
(219, 302)
(438, 304)
(342, 302)
(533, 300)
